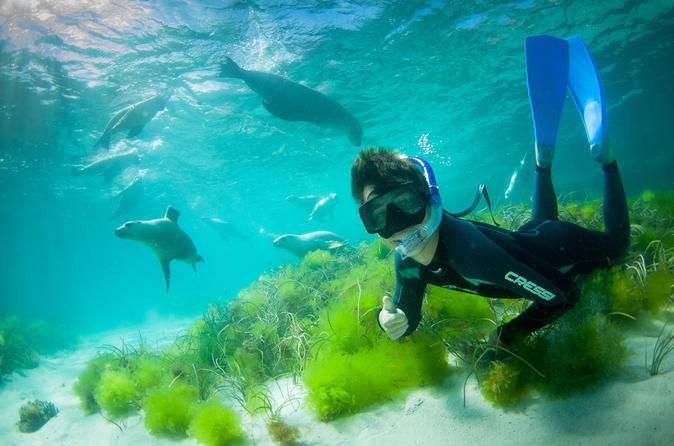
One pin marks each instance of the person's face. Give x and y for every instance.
(394, 240)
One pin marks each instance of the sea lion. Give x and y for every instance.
(165, 238)
(291, 101)
(307, 202)
(225, 229)
(520, 178)
(132, 118)
(108, 167)
(301, 244)
(129, 197)
(323, 207)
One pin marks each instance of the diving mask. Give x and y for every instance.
(393, 211)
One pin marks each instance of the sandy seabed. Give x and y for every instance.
(632, 409)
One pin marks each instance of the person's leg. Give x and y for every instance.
(616, 214)
(567, 247)
(536, 316)
(573, 248)
(545, 201)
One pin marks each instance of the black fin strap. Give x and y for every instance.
(481, 191)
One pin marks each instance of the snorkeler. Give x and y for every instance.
(399, 200)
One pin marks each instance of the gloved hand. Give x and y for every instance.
(392, 319)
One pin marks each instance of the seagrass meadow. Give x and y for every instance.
(314, 322)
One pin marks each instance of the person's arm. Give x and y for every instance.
(409, 293)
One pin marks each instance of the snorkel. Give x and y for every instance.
(412, 241)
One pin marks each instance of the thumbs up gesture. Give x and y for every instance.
(392, 319)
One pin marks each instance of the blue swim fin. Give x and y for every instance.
(587, 93)
(547, 60)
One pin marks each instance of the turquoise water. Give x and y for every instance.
(443, 79)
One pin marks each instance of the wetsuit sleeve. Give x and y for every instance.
(483, 262)
(409, 293)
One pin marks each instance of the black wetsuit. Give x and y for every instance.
(538, 261)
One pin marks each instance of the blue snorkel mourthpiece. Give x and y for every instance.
(412, 241)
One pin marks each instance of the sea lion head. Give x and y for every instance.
(295, 244)
(131, 230)
(284, 241)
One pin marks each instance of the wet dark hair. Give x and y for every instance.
(385, 170)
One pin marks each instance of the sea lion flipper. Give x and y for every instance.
(104, 141)
(119, 118)
(172, 214)
(336, 244)
(167, 271)
(194, 265)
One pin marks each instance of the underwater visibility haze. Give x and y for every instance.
(112, 111)
(440, 79)
(158, 157)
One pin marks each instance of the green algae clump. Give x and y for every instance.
(378, 250)
(168, 410)
(317, 259)
(501, 385)
(22, 341)
(148, 371)
(581, 353)
(116, 393)
(88, 381)
(214, 424)
(636, 292)
(342, 383)
(457, 314)
(657, 290)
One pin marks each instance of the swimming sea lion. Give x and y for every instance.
(165, 238)
(225, 229)
(307, 202)
(291, 101)
(301, 244)
(323, 207)
(108, 167)
(129, 197)
(520, 178)
(132, 118)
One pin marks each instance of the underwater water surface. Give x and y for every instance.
(441, 79)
